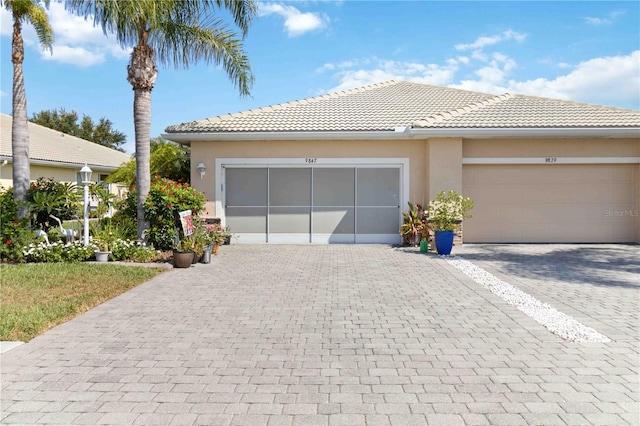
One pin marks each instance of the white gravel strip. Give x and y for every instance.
(555, 321)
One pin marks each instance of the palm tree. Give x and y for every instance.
(33, 12)
(180, 32)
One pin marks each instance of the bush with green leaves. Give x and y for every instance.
(165, 200)
(47, 197)
(14, 232)
(131, 251)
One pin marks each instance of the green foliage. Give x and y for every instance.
(165, 200)
(101, 132)
(14, 232)
(47, 197)
(105, 234)
(448, 210)
(414, 224)
(131, 251)
(167, 160)
(106, 199)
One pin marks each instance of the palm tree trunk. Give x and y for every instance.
(142, 75)
(142, 123)
(19, 126)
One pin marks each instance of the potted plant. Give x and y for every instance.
(183, 252)
(104, 236)
(219, 235)
(444, 215)
(413, 224)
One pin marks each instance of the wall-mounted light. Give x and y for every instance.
(202, 169)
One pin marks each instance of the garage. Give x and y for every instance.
(313, 204)
(536, 203)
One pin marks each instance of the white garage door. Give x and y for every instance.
(313, 204)
(551, 203)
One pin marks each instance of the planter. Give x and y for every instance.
(424, 246)
(216, 246)
(444, 242)
(102, 256)
(182, 259)
(206, 256)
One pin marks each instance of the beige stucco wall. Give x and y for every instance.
(434, 165)
(207, 152)
(444, 165)
(474, 148)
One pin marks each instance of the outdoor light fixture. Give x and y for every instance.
(202, 169)
(85, 173)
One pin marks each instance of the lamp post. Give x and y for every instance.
(85, 172)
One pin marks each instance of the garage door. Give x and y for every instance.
(313, 204)
(551, 203)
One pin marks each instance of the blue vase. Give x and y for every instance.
(444, 242)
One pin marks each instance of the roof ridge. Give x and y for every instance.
(298, 102)
(456, 112)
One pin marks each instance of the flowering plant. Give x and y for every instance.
(448, 210)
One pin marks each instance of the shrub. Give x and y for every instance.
(447, 210)
(15, 233)
(47, 197)
(165, 200)
(131, 251)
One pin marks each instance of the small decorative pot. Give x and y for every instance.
(216, 246)
(102, 256)
(424, 246)
(182, 259)
(444, 242)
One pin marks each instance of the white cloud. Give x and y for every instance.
(609, 80)
(75, 55)
(296, 22)
(76, 40)
(607, 20)
(484, 41)
(358, 73)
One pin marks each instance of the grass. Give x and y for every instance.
(37, 297)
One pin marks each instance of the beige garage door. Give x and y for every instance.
(551, 203)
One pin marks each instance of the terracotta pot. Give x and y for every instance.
(216, 246)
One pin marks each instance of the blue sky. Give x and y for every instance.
(582, 51)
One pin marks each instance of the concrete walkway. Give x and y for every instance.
(343, 335)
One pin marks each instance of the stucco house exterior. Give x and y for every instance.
(342, 167)
(57, 155)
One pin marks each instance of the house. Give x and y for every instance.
(342, 167)
(57, 155)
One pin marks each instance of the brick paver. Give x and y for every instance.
(343, 335)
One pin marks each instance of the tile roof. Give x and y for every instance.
(51, 145)
(385, 106)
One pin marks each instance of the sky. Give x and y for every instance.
(581, 51)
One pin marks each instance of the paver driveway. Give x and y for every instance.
(340, 335)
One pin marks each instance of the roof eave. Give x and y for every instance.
(529, 132)
(62, 164)
(187, 137)
(405, 133)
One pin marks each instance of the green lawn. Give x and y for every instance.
(37, 297)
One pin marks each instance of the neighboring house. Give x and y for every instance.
(57, 155)
(342, 167)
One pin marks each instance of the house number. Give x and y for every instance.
(311, 160)
(551, 160)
